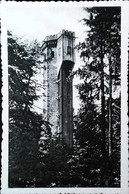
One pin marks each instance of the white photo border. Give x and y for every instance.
(124, 118)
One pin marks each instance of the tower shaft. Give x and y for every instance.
(58, 99)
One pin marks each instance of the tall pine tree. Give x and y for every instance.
(99, 110)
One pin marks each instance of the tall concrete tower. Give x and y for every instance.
(59, 59)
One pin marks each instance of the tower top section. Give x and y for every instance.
(66, 33)
(57, 36)
(64, 42)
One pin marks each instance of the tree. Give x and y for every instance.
(101, 51)
(25, 124)
(53, 169)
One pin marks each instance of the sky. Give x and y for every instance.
(30, 23)
(35, 23)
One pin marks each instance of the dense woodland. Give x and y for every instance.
(94, 160)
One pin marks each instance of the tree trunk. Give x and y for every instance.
(110, 109)
(103, 126)
(110, 124)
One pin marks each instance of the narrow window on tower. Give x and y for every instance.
(52, 54)
(68, 50)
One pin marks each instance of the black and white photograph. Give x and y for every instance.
(64, 99)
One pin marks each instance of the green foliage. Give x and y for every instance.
(52, 168)
(100, 52)
(25, 125)
(103, 37)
